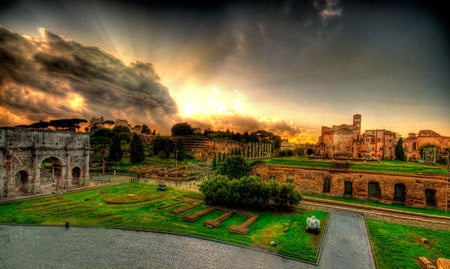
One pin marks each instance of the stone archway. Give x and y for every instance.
(29, 151)
(373, 190)
(51, 174)
(399, 193)
(76, 176)
(22, 182)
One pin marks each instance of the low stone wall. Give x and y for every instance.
(413, 191)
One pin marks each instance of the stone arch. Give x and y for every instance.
(399, 193)
(21, 181)
(76, 175)
(373, 190)
(51, 172)
(25, 149)
(430, 196)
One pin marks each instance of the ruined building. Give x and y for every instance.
(31, 160)
(413, 143)
(346, 141)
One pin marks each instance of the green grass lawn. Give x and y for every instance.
(398, 246)
(385, 166)
(142, 206)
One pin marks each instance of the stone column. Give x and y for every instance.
(35, 177)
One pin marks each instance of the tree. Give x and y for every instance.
(181, 129)
(248, 192)
(67, 124)
(136, 149)
(234, 167)
(100, 142)
(180, 150)
(214, 162)
(145, 129)
(115, 150)
(400, 151)
(164, 145)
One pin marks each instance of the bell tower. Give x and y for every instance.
(357, 122)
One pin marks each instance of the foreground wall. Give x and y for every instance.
(409, 190)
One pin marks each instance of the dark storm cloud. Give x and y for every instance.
(39, 77)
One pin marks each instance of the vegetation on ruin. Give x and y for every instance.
(398, 246)
(143, 206)
(384, 166)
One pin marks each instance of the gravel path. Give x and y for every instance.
(346, 243)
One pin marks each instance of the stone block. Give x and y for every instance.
(443, 263)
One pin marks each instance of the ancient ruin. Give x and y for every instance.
(416, 191)
(32, 159)
(346, 141)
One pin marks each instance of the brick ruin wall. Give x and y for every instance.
(313, 181)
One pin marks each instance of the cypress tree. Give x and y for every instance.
(400, 151)
(136, 149)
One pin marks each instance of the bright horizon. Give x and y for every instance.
(287, 67)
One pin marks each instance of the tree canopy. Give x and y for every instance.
(136, 149)
(248, 193)
(181, 129)
(234, 167)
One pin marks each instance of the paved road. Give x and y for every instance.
(346, 243)
(38, 247)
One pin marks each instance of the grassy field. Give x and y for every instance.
(384, 167)
(398, 246)
(142, 206)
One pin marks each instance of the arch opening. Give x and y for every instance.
(51, 174)
(76, 176)
(374, 191)
(399, 193)
(21, 181)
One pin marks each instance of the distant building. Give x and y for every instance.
(339, 140)
(120, 122)
(378, 144)
(286, 145)
(413, 143)
(346, 141)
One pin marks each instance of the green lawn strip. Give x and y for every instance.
(430, 211)
(88, 208)
(386, 166)
(398, 246)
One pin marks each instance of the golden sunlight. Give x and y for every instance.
(75, 101)
(197, 102)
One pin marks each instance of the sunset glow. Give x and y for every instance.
(287, 67)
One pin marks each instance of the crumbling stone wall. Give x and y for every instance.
(313, 182)
(23, 150)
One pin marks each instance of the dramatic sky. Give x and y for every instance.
(284, 66)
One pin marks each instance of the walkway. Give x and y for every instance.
(346, 243)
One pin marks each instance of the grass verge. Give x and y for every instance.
(399, 246)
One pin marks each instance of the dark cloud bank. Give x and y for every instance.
(41, 78)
